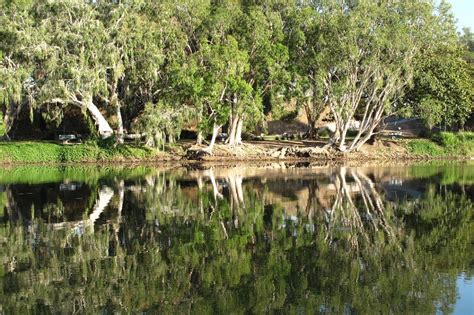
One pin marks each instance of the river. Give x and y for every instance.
(277, 237)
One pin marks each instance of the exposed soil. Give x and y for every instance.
(296, 150)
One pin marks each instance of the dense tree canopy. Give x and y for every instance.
(147, 67)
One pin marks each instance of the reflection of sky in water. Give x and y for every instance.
(464, 304)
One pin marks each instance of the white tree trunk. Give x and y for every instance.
(233, 129)
(103, 126)
(238, 132)
(215, 130)
(240, 192)
(233, 189)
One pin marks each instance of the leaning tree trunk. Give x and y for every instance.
(103, 126)
(238, 132)
(215, 130)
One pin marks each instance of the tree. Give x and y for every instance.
(224, 88)
(215, 72)
(60, 55)
(367, 51)
(142, 41)
(242, 46)
(443, 90)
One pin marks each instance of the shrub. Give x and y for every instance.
(444, 144)
(424, 147)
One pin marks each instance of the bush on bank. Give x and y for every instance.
(444, 144)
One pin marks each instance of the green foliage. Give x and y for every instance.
(161, 123)
(443, 90)
(287, 115)
(443, 94)
(444, 144)
(461, 143)
(425, 147)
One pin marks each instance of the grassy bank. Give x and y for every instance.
(50, 152)
(444, 144)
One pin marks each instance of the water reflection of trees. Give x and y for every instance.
(221, 241)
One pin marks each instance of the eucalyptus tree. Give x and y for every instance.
(260, 32)
(56, 59)
(367, 51)
(143, 41)
(223, 85)
(238, 58)
(215, 70)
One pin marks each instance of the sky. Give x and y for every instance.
(464, 11)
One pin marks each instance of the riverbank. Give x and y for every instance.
(443, 145)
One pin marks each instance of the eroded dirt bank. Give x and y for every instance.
(298, 150)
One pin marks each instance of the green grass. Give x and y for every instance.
(46, 152)
(444, 144)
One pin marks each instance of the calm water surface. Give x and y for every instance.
(243, 239)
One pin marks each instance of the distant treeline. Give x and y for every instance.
(148, 67)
